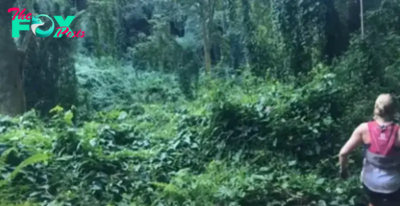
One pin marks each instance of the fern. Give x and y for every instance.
(31, 160)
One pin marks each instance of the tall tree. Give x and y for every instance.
(12, 96)
(206, 8)
(248, 29)
(48, 69)
(234, 35)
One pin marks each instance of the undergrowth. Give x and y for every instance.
(248, 142)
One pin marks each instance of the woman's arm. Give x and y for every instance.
(354, 141)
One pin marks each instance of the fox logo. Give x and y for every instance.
(36, 22)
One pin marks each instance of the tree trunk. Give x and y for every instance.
(248, 29)
(234, 37)
(12, 97)
(205, 24)
(206, 48)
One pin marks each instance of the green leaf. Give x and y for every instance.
(339, 190)
(320, 181)
(56, 109)
(321, 203)
(122, 115)
(68, 117)
(291, 163)
(31, 160)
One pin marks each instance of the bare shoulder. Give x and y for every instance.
(363, 127)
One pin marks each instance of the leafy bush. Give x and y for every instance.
(106, 83)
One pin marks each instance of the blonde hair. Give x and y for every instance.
(385, 107)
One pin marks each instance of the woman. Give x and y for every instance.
(381, 139)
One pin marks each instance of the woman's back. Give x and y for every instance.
(380, 171)
(365, 132)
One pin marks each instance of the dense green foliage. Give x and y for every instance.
(289, 82)
(223, 148)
